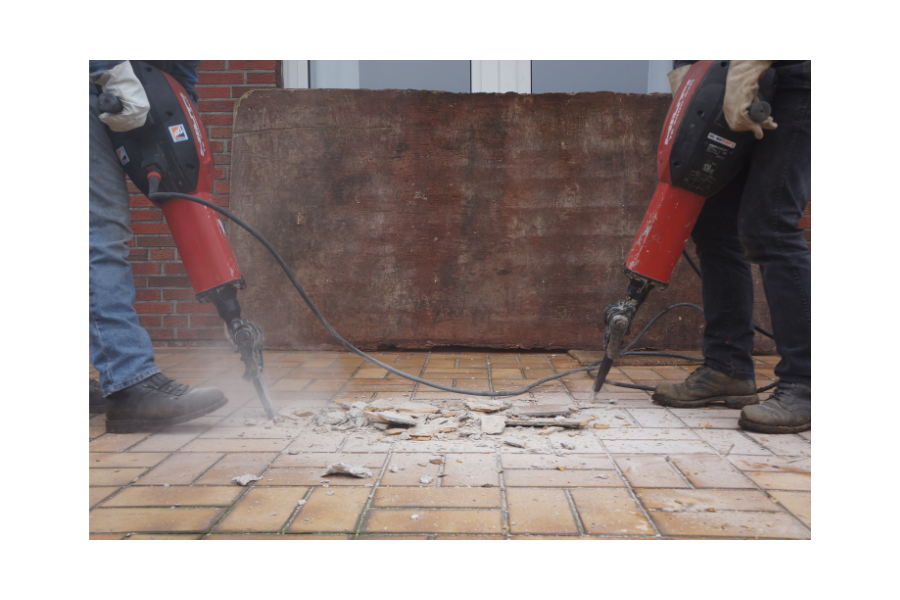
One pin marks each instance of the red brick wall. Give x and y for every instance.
(165, 301)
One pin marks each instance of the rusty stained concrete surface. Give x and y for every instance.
(417, 219)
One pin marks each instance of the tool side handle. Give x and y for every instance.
(108, 103)
(760, 111)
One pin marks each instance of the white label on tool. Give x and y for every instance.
(197, 134)
(178, 133)
(679, 104)
(721, 140)
(123, 156)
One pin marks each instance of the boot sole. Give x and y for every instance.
(761, 428)
(735, 402)
(97, 409)
(135, 425)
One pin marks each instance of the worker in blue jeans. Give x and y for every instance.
(755, 219)
(131, 389)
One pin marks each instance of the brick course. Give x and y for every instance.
(162, 286)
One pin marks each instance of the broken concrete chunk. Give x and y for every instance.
(417, 408)
(395, 431)
(245, 479)
(381, 426)
(557, 422)
(549, 430)
(487, 406)
(346, 402)
(333, 417)
(292, 452)
(394, 469)
(345, 469)
(404, 436)
(394, 418)
(514, 443)
(567, 445)
(426, 479)
(301, 502)
(550, 410)
(440, 425)
(492, 425)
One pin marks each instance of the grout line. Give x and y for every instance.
(225, 512)
(207, 470)
(368, 503)
(679, 471)
(296, 512)
(756, 485)
(504, 506)
(574, 510)
(630, 489)
(421, 376)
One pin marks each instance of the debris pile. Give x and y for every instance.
(418, 421)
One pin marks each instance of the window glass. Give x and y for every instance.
(444, 75)
(628, 76)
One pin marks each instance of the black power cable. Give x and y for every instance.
(162, 196)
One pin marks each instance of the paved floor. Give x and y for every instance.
(636, 470)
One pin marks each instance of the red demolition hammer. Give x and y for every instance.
(170, 154)
(698, 154)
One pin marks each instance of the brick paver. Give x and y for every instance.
(636, 471)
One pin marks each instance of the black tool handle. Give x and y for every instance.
(108, 103)
(760, 111)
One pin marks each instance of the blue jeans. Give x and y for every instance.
(755, 219)
(120, 348)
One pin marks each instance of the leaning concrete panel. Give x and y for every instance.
(418, 219)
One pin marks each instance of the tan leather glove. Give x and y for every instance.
(677, 76)
(741, 89)
(124, 85)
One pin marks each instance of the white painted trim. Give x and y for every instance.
(295, 73)
(501, 76)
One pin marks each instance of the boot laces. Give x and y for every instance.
(782, 394)
(168, 386)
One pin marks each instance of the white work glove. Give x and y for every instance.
(741, 89)
(123, 84)
(677, 76)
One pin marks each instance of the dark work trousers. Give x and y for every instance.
(755, 219)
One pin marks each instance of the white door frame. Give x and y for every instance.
(295, 73)
(501, 76)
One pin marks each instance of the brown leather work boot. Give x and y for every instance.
(705, 386)
(788, 410)
(159, 402)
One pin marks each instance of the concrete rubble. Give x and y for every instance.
(345, 469)
(492, 425)
(487, 406)
(245, 479)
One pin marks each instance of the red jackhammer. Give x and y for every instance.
(170, 153)
(698, 154)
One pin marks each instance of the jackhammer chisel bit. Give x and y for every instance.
(618, 323)
(248, 340)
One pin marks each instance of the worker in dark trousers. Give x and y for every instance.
(755, 219)
(132, 390)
